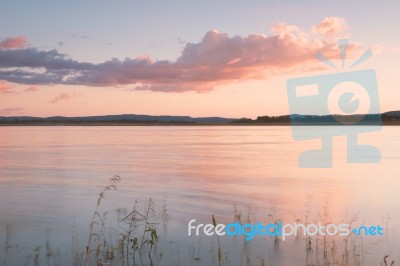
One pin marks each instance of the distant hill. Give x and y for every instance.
(128, 118)
(388, 118)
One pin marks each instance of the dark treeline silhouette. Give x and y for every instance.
(370, 119)
(388, 118)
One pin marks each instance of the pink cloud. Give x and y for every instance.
(62, 97)
(6, 87)
(330, 25)
(219, 58)
(11, 111)
(32, 89)
(13, 42)
(216, 59)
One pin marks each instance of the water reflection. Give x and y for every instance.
(51, 176)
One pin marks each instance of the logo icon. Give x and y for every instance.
(339, 104)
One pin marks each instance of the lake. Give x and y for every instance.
(51, 177)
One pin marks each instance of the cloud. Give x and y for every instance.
(330, 25)
(33, 58)
(217, 59)
(61, 97)
(6, 87)
(80, 36)
(10, 111)
(15, 42)
(31, 89)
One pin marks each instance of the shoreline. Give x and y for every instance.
(183, 124)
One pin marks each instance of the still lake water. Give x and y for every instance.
(50, 178)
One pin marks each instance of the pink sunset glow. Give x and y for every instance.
(205, 73)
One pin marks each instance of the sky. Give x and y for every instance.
(203, 58)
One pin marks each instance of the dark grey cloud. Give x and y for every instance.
(34, 58)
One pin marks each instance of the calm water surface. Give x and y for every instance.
(50, 177)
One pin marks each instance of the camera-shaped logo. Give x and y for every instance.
(339, 104)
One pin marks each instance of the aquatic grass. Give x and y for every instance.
(220, 253)
(77, 250)
(127, 241)
(48, 249)
(98, 219)
(137, 241)
(139, 233)
(7, 243)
